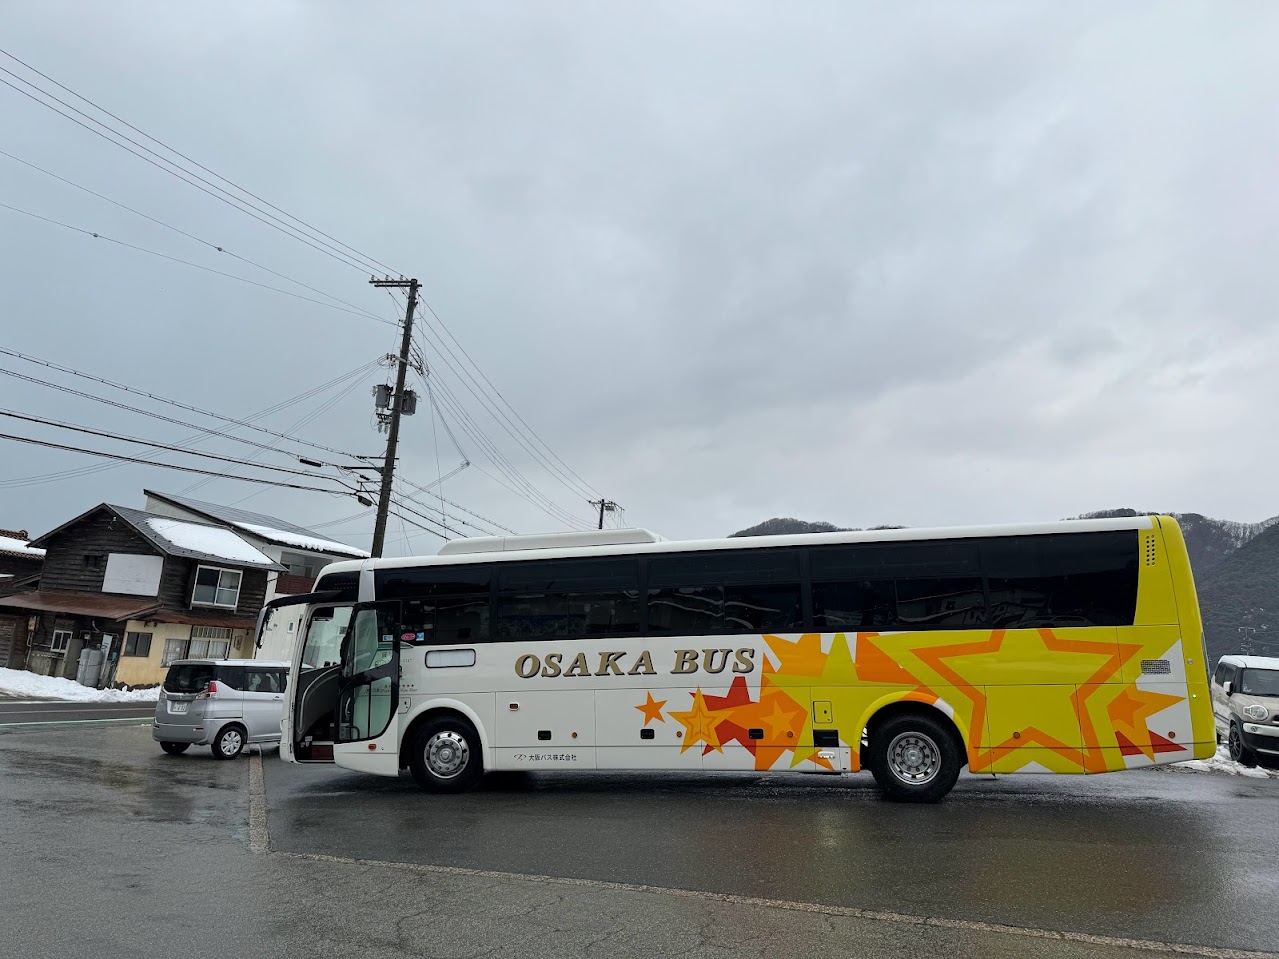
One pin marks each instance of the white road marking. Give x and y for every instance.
(259, 837)
(260, 842)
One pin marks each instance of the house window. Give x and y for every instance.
(174, 649)
(216, 587)
(93, 560)
(61, 637)
(209, 642)
(137, 644)
(300, 564)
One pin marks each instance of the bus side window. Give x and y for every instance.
(568, 599)
(1072, 579)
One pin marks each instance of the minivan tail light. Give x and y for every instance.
(209, 690)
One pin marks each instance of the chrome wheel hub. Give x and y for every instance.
(231, 743)
(447, 754)
(914, 758)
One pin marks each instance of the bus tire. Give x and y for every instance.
(915, 758)
(445, 756)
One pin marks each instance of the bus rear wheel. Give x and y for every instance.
(445, 757)
(914, 758)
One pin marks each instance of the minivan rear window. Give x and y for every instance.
(189, 677)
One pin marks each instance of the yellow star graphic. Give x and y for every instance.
(652, 710)
(699, 724)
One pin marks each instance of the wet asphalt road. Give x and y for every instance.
(25, 711)
(151, 856)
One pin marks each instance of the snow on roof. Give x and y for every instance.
(214, 541)
(300, 541)
(270, 528)
(19, 548)
(1253, 662)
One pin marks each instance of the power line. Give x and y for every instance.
(458, 506)
(506, 422)
(158, 399)
(88, 431)
(377, 263)
(187, 176)
(168, 466)
(526, 489)
(169, 226)
(499, 395)
(199, 436)
(400, 504)
(199, 266)
(338, 522)
(304, 420)
(425, 529)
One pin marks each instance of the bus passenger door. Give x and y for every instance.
(307, 727)
(368, 686)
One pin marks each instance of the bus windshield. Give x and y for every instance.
(324, 633)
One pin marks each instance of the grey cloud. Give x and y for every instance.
(910, 265)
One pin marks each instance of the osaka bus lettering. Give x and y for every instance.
(614, 663)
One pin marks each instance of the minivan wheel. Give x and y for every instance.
(175, 749)
(1239, 752)
(229, 744)
(445, 756)
(914, 758)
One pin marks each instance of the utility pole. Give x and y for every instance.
(604, 504)
(1247, 632)
(397, 406)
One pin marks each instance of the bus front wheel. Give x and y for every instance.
(914, 758)
(446, 756)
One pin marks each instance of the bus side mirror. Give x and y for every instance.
(1229, 687)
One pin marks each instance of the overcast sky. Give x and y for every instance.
(941, 264)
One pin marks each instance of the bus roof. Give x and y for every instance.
(627, 542)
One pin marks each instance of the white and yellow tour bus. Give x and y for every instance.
(1071, 647)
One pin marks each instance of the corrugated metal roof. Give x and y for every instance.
(82, 604)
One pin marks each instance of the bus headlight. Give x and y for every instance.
(1256, 712)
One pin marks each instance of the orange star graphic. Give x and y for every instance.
(779, 722)
(699, 724)
(1129, 712)
(652, 710)
(804, 657)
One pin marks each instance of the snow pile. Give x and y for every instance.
(1222, 763)
(302, 542)
(211, 540)
(19, 682)
(10, 545)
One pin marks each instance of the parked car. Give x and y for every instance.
(223, 704)
(1245, 703)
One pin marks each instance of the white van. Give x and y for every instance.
(223, 704)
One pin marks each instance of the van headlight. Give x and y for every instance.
(1255, 712)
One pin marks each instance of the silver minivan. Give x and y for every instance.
(223, 704)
